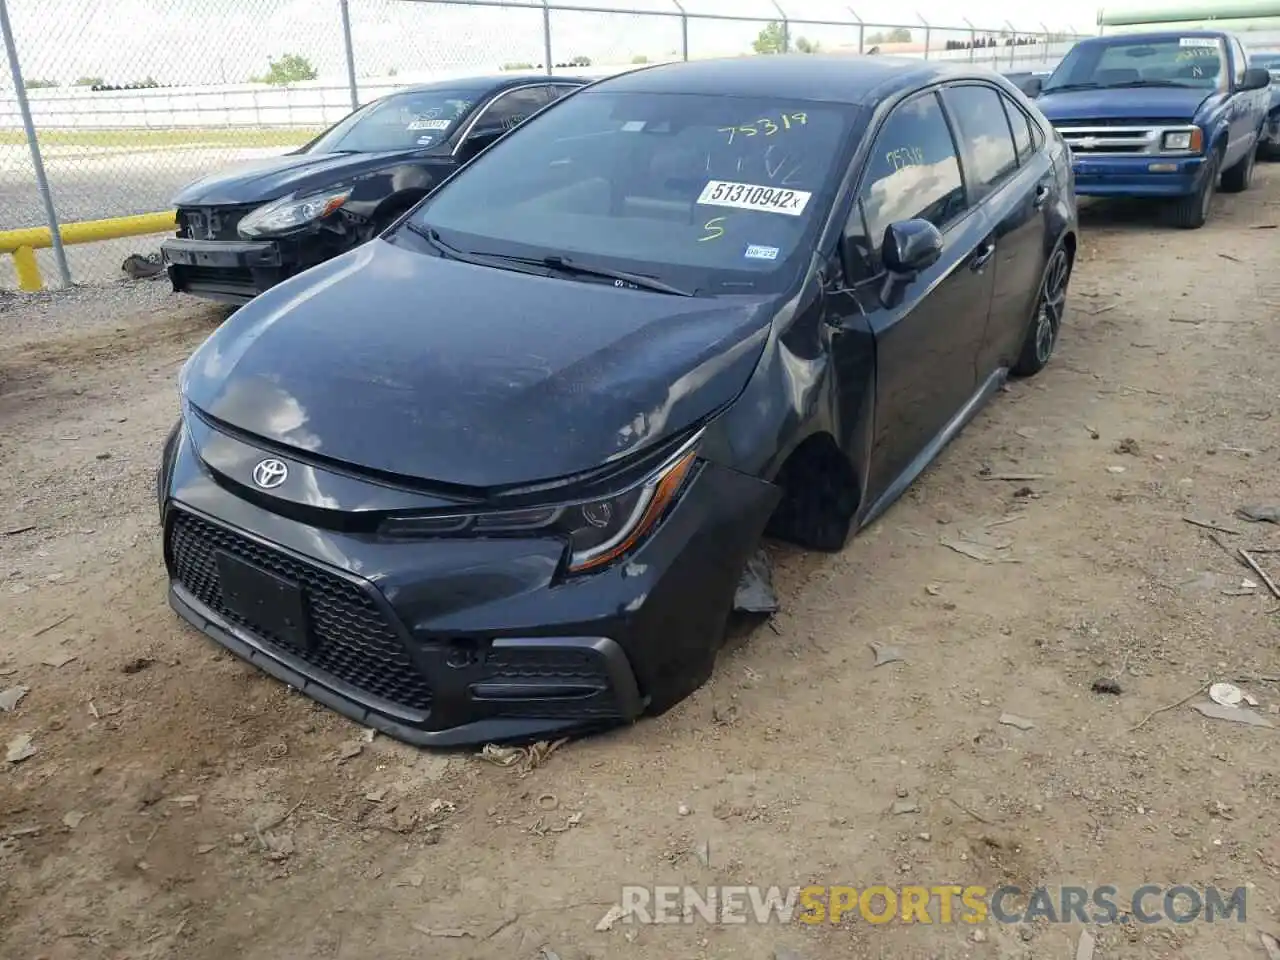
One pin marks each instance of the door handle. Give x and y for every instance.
(1041, 195)
(983, 256)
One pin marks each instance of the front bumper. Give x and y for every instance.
(449, 643)
(225, 270)
(1136, 176)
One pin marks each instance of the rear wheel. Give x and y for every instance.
(1046, 322)
(1240, 177)
(1191, 212)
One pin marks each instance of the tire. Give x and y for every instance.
(1046, 321)
(1240, 177)
(1191, 212)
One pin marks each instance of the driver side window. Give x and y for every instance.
(912, 172)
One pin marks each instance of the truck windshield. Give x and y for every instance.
(1195, 62)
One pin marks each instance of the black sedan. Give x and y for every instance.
(682, 308)
(245, 229)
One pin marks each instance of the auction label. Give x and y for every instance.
(751, 196)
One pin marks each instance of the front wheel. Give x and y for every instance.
(1191, 212)
(1046, 322)
(1240, 177)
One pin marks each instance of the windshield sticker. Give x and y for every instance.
(714, 228)
(766, 126)
(633, 126)
(1198, 42)
(1197, 53)
(426, 141)
(426, 123)
(757, 252)
(751, 196)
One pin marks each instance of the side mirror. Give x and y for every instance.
(1032, 86)
(1255, 78)
(910, 246)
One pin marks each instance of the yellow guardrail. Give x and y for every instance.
(23, 244)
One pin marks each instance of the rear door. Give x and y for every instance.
(1012, 179)
(928, 334)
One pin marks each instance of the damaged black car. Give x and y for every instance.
(497, 474)
(244, 229)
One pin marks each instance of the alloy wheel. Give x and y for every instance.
(1053, 303)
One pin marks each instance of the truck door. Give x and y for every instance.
(1241, 111)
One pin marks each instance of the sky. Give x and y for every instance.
(227, 41)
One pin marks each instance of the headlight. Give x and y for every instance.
(1188, 140)
(597, 531)
(289, 212)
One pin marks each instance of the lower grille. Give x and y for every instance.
(217, 276)
(550, 664)
(354, 642)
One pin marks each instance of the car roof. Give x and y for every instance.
(491, 82)
(850, 79)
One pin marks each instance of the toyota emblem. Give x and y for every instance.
(270, 473)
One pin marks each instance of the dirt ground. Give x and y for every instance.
(180, 804)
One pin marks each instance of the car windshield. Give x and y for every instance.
(401, 121)
(1196, 62)
(713, 194)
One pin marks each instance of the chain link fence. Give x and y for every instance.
(130, 100)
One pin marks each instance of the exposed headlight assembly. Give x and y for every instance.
(291, 212)
(597, 531)
(1182, 141)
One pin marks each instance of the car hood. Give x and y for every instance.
(420, 367)
(1162, 103)
(257, 181)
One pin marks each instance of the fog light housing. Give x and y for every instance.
(1163, 167)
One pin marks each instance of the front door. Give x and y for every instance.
(927, 331)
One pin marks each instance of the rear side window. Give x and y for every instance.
(1021, 125)
(984, 130)
(912, 172)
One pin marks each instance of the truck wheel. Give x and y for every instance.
(1239, 177)
(1191, 212)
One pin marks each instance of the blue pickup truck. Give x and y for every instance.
(1161, 115)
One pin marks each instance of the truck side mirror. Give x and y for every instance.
(1255, 78)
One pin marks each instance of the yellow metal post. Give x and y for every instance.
(28, 270)
(23, 243)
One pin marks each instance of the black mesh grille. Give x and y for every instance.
(554, 665)
(545, 663)
(354, 643)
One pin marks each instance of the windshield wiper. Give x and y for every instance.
(565, 265)
(553, 262)
(1145, 83)
(1086, 85)
(432, 236)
